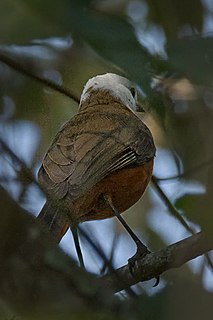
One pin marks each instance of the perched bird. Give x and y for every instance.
(100, 162)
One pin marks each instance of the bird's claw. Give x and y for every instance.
(141, 252)
(157, 281)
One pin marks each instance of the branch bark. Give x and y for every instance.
(154, 264)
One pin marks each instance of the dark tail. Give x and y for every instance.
(54, 220)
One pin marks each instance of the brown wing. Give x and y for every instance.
(88, 148)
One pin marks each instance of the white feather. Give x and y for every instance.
(117, 85)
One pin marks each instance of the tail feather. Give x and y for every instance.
(56, 222)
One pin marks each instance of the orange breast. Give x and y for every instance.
(125, 187)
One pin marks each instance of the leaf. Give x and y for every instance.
(114, 39)
(198, 209)
(176, 15)
(23, 20)
(192, 58)
(111, 36)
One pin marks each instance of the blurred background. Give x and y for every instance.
(166, 48)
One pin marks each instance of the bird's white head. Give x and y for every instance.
(119, 87)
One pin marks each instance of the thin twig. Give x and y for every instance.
(17, 66)
(176, 213)
(102, 255)
(20, 162)
(170, 206)
(189, 172)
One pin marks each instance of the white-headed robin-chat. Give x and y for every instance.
(100, 162)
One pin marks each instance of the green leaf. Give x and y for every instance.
(175, 16)
(23, 20)
(192, 58)
(198, 209)
(111, 36)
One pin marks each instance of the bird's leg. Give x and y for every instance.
(74, 230)
(141, 248)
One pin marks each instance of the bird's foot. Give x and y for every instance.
(141, 252)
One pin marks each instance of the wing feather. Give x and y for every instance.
(82, 154)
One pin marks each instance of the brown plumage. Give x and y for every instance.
(104, 151)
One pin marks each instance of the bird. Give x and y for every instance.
(100, 161)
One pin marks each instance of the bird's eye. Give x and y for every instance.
(133, 92)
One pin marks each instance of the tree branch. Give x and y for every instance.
(154, 264)
(176, 213)
(36, 277)
(170, 206)
(17, 66)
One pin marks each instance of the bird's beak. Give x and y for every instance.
(139, 107)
